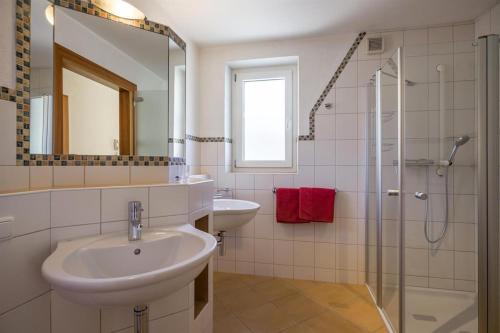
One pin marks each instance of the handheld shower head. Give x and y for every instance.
(459, 142)
(462, 140)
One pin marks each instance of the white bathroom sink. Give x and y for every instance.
(111, 270)
(230, 213)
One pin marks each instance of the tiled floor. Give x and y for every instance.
(254, 304)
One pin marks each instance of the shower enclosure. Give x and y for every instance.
(432, 205)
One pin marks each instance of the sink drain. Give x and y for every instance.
(137, 251)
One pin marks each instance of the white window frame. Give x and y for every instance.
(238, 76)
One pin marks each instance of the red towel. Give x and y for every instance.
(316, 204)
(287, 205)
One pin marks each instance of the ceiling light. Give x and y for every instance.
(49, 14)
(120, 8)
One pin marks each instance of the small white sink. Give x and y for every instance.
(230, 213)
(111, 270)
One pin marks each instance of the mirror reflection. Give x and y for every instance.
(94, 92)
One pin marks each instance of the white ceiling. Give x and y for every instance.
(211, 22)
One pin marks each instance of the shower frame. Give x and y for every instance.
(488, 215)
(488, 182)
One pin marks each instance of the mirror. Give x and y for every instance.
(177, 98)
(101, 87)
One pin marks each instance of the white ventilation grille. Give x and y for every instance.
(375, 45)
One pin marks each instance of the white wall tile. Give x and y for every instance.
(165, 221)
(73, 232)
(69, 176)
(264, 182)
(415, 37)
(346, 126)
(14, 179)
(265, 199)
(107, 175)
(283, 253)
(41, 177)
(324, 176)
(346, 100)
(346, 256)
(324, 152)
(209, 153)
(264, 249)
(324, 255)
(349, 77)
(145, 175)
(346, 152)
(464, 264)
(168, 200)
(21, 274)
(304, 177)
(33, 316)
(264, 226)
(440, 34)
(303, 232)
(441, 264)
(71, 317)
(463, 32)
(464, 65)
(324, 127)
(114, 202)
(36, 218)
(75, 207)
(8, 132)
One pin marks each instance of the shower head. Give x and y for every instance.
(459, 142)
(462, 140)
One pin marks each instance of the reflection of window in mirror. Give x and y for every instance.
(177, 98)
(41, 78)
(93, 107)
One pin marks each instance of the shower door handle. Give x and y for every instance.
(393, 193)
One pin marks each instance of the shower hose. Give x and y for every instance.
(428, 221)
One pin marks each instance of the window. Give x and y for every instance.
(263, 103)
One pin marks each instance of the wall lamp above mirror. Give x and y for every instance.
(101, 85)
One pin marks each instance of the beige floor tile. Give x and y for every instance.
(227, 286)
(267, 319)
(252, 280)
(300, 307)
(230, 324)
(221, 276)
(242, 299)
(336, 297)
(221, 311)
(303, 285)
(273, 289)
(362, 313)
(253, 304)
(326, 323)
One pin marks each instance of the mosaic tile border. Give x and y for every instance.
(21, 95)
(209, 139)
(329, 86)
(176, 140)
(317, 105)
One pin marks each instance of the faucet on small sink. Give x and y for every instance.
(134, 218)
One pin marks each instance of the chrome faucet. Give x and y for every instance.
(134, 218)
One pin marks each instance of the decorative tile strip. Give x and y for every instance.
(176, 140)
(21, 96)
(329, 86)
(7, 94)
(208, 139)
(88, 7)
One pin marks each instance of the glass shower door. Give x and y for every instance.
(388, 172)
